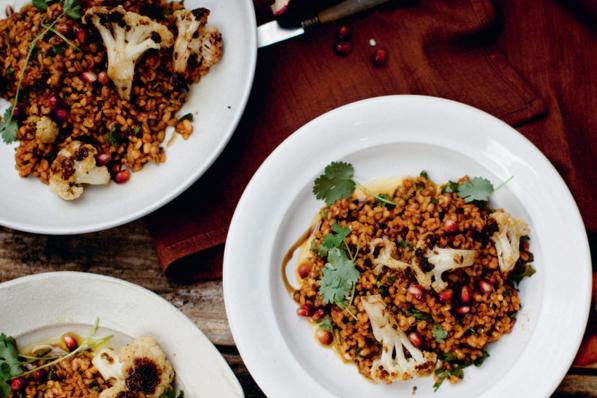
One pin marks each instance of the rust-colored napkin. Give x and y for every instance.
(530, 63)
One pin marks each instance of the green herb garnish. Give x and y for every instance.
(438, 333)
(424, 174)
(41, 5)
(337, 182)
(334, 239)
(451, 186)
(325, 323)
(421, 316)
(114, 137)
(520, 272)
(8, 127)
(10, 365)
(477, 189)
(73, 9)
(339, 278)
(170, 393)
(188, 116)
(405, 245)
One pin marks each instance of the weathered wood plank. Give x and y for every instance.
(126, 253)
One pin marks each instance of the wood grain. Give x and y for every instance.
(126, 252)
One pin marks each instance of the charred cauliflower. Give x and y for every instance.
(75, 165)
(127, 36)
(195, 38)
(144, 369)
(46, 130)
(507, 239)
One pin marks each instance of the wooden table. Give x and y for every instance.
(126, 253)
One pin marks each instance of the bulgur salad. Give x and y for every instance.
(93, 85)
(71, 366)
(405, 277)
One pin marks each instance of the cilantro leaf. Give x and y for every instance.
(335, 183)
(421, 316)
(73, 9)
(520, 272)
(188, 116)
(339, 277)
(325, 323)
(404, 244)
(114, 137)
(438, 333)
(8, 127)
(476, 189)
(424, 174)
(384, 200)
(10, 366)
(451, 186)
(169, 393)
(333, 239)
(41, 5)
(479, 361)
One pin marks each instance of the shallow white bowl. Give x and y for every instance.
(400, 136)
(217, 104)
(44, 306)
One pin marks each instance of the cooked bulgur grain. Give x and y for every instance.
(69, 85)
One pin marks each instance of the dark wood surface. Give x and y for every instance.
(126, 253)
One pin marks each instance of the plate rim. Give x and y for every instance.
(577, 221)
(185, 184)
(78, 276)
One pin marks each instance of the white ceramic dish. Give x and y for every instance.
(42, 306)
(398, 136)
(217, 103)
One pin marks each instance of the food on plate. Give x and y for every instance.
(408, 278)
(105, 75)
(71, 366)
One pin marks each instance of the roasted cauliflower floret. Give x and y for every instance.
(46, 130)
(195, 38)
(395, 342)
(442, 260)
(75, 165)
(145, 370)
(127, 36)
(507, 239)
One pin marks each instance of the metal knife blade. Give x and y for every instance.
(272, 32)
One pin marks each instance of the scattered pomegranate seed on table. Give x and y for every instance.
(344, 33)
(343, 48)
(379, 57)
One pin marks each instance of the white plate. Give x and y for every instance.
(217, 103)
(42, 306)
(398, 136)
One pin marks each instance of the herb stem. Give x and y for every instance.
(67, 41)
(503, 183)
(380, 198)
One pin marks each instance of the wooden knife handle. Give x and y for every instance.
(347, 8)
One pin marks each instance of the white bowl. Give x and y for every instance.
(217, 104)
(400, 136)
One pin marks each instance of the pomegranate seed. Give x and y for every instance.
(54, 101)
(416, 339)
(18, 112)
(103, 78)
(122, 176)
(344, 33)
(463, 310)
(18, 383)
(320, 313)
(450, 226)
(445, 296)
(465, 294)
(325, 337)
(305, 311)
(39, 375)
(417, 292)
(485, 286)
(103, 158)
(343, 48)
(81, 35)
(64, 29)
(70, 342)
(60, 114)
(89, 77)
(304, 270)
(379, 57)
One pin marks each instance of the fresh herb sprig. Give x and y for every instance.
(478, 189)
(71, 8)
(10, 365)
(170, 393)
(337, 182)
(438, 333)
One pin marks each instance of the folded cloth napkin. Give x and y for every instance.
(530, 63)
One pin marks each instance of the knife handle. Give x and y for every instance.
(343, 10)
